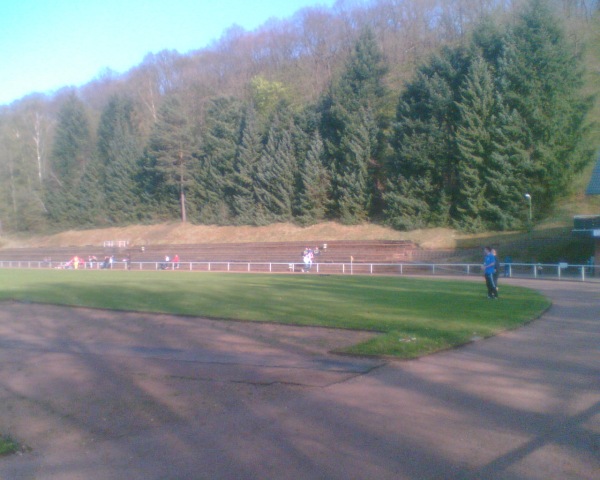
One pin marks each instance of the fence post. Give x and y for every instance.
(582, 273)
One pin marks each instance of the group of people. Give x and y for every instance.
(308, 256)
(491, 269)
(76, 262)
(169, 264)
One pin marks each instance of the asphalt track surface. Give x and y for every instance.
(105, 395)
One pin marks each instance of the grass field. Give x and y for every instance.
(415, 316)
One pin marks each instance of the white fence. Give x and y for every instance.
(560, 271)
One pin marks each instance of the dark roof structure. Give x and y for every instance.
(593, 187)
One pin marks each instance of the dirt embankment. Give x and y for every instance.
(180, 233)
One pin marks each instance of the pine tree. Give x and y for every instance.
(275, 173)
(422, 172)
(71, 154)
(353, 190)
(314, 184)
(72, 142)
(507, 173)
(220, 137)
(475, 141)
(244, 200)
(119, 151)
(91, 200)
(541, 79)
(354, 115)
(172, 147)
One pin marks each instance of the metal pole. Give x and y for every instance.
(528, 197)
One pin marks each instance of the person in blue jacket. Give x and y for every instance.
(489, 268)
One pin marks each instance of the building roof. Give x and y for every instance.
(593, 187)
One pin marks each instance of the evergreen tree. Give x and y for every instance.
(352, 182)
(71, 154)
(275, 173)
(172, 146)
(314, 184)
(422, 172)
(492, 159)
(244, 200)
(119, 151)
(220, 137)
(354, 116)
(475, 140)
(484, 123)
(508, 173)
(91, 200)
(541, 79)
(72, 142)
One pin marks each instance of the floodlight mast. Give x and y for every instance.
(530, 223)
(528, 197)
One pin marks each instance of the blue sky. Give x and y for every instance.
(48, 44)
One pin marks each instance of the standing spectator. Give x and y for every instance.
(489, 267)
(176, 261)
(307, 259)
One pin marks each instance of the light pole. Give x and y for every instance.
(528, 197)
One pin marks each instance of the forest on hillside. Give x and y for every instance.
(408, 113)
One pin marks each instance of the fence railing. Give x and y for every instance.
(560, 271)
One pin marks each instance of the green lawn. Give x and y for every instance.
(414, 316)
